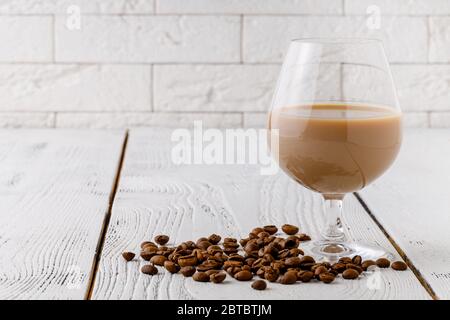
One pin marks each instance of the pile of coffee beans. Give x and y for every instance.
(263, 254)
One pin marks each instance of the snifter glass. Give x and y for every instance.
(337, 120)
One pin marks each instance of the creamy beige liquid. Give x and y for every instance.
(336, 149)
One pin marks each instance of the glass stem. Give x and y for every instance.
(333, 231)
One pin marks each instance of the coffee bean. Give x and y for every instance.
(345, 260)
(187, 271)
(211, 271)
(338, 267)
(293, 262)
(149, 269)
(243, 242)
(355, 267)
(128, 256)
(367, 263)
(217, 277)
(263, 235)
(270, 229)
(201, 277)
(248, 268)
(204, 244)
(289, 277)
(357, 260)
(186, 261)
(158, 260)
(289, 229)
(291, 242)
(383, 263)
(171, 266)
(326, 277)
(271, 274)
(296, 252)
(208, 265)
(305, 276)
(147, 255)
(234, 245)
(260, 272)
(350, 274)
(251, 246)
(399, 266)
(303, 237)
(213, 249)
(231, 263)
(319, 270)
(214, 238)
(161, 239)
(148, 244)
(233, 270)
(256, 230)
(307, 259)
(306, 266)
(259, 285)
(243, 275)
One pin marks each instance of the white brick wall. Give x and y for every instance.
(67, 87)
(266, 37)
(214, 88)
(170, 62)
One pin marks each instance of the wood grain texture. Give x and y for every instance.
(412, 202)
(186, 202)
(55, 189)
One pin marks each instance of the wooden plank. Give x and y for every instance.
(155, 196)
(55, 189)
(412, 202)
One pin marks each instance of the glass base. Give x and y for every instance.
(332, 251)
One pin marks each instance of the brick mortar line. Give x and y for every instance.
(156, 64)
(289, 14)
(399, 250)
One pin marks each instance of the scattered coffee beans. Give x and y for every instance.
(289, 229)
(201, 277)
(171, 266)
(259, 285)
(270, 230)
(162, 239)
(149, 269)
(304, 237)
(188, 271)
(366, 264)
(190, 260)
(327, 277)
(214, 238)
(148, 244)
(128, 256)
(263, 253)
(350, 274)
(383, 263)
(243, 275)
(289, 277)
(217, 277)
(305, 276)
(399, 266)
(147, 255)
(158, 260)
(357, 260)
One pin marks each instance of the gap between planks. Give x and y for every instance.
(101, 241)
(402, 254)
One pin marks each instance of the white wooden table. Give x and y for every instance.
(72, 200)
